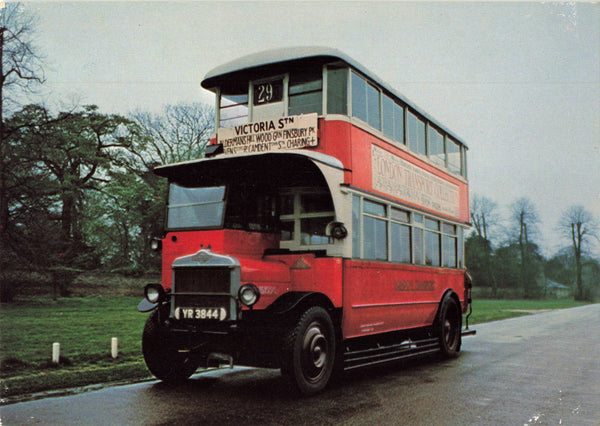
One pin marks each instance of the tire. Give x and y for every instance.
(164, 362)
(308, 353)
(448, 326)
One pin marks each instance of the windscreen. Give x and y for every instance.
(195, 207)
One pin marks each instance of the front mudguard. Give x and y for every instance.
(146, 306)
(293, 300)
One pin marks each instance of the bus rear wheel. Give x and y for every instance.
(164, 362)
(449, 327)
(308, 353)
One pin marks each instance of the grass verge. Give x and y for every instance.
(84, 327)
(493, 310)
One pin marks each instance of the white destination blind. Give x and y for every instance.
(399, 178)
(293, 132)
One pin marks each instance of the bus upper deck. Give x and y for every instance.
(321, 99)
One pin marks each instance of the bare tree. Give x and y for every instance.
(20, 70)
(580, 227)
(483, 216)
(180, 133)
(21, 65)
(524, 219)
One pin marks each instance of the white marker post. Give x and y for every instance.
(55, 353)
(114, 347)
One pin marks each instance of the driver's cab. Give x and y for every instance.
(284, 195)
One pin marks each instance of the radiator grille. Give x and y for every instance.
(202, 280)
(206, 287)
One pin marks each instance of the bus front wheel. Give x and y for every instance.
(308, 353)
(163, 361)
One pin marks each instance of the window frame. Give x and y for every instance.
(418, 228)
(297, 216)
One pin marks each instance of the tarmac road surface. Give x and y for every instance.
(538, 369)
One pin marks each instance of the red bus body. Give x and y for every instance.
(344, 277)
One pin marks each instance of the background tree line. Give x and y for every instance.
(504, 258)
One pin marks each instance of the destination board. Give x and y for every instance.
(293, 132)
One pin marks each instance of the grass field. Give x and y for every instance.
(84, 327)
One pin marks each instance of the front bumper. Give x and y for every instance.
(251, 340)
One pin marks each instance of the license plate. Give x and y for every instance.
(219, 314)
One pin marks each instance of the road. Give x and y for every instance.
(538, 369)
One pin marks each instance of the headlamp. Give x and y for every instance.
(155, 244)
(248, 294)
(154, 293)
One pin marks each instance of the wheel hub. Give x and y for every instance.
(315, 350)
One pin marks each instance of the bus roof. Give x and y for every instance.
(276, 56)
(215, 77)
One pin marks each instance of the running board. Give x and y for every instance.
(382, 354)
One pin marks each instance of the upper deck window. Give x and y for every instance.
(233, 109)
(436, 146)
(416, 134)
(454, 157)
(365, 101)
(306, 92)
(337, 90)
(393, 119)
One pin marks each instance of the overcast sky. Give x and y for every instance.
(519, 82)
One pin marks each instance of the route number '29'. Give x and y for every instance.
(268, 92)
(265, 93)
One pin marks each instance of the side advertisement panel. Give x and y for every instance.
(395, 176)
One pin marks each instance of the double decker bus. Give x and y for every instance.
(323, 231)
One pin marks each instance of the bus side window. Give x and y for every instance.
(304, 217)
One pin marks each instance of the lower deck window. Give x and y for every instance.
(304, 217)
(432, 248)
(375, 239)
(312, 231)
(382, 232)
(400, 243)
(449, 251)
(449, 245)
